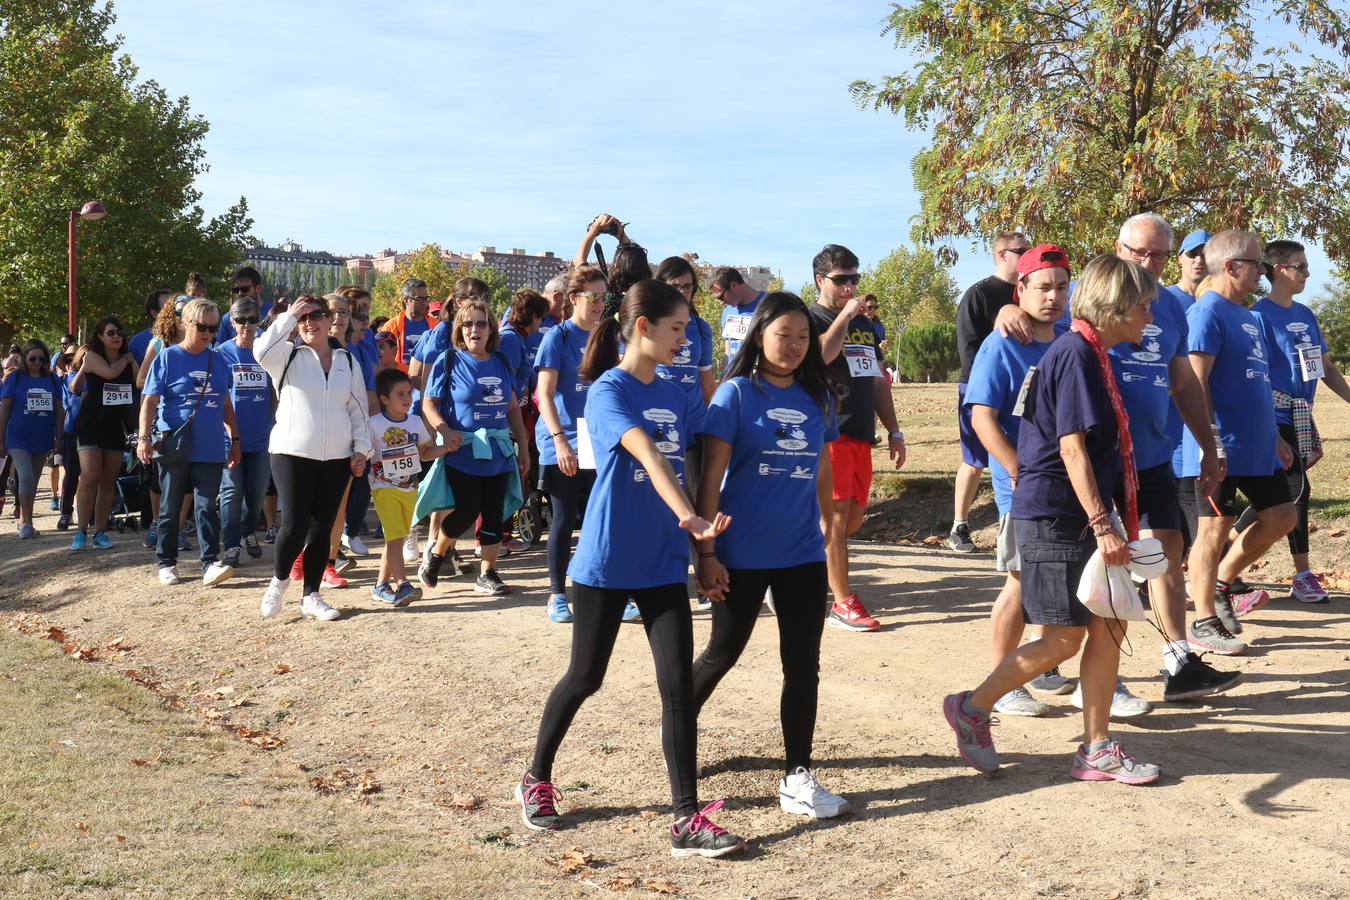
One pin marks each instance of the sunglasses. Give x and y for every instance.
(316, 316)
(241, 289)
(841, 280)
(360, 316)
(592, 296)
(475, 323)
(1016, 251)
(36, 359)
(112, 332)
(246, 320)
(178, 311)
(209, 329)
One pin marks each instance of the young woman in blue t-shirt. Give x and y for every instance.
(30, 415)
(766, 431)
(638, 522)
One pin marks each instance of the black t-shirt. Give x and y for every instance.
(857, 391)
(975, 317)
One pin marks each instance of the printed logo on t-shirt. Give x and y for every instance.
(766, 469)
(203, 386)
(665, 436)
(790, 434)
(684, 356)
(802, 472)
(492, 389)
(1149, 349)
(1300, 329)
(1255, 334)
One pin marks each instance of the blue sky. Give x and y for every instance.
(720, 128)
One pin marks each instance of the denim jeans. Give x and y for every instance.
(203, 480)
(358, 504)
(241, 496)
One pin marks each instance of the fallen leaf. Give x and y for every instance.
(367, 784)
(56, 634)
(466, 802)
(119, 644)
(1112, 895)
(932, 540)
(80, 826)
(282, 668)
(121, 838)
(139, 762)
(621, 882)
(262, 739)
(1339, 532)
(661, 886)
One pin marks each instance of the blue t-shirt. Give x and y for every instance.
(413, 329)
(1286, 331)
(227, 331)
(32, 415)
(631, 539)
(71, 403)
(561, 350)
(735, 325)
(480, 392)
(1142, 376)
(770, 487)
(176, 377)
(1067, 395)
(366, 351)
(879, 328)
(251, 394)
(996, 376)
(693, 358)
(138, 344)
(432, 344)
(1175, 426)
(516, 351)
(1239, 386)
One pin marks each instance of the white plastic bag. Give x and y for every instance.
(1109, 592)
(1147, 559)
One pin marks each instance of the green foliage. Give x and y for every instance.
(77, 126)
(775, 284)
(912, 287)
(499, 294)
(928, 352)
(1333, 314)
(710, 308)
(425, 264)
(1063, 117)
(808, 293)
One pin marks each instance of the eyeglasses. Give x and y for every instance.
(1196, 253)
(360, 316)
(241, 289)
(422, 299)
(841, 280)
(1144, 255)
(1254, 262)
(682, 287)
(178, 311)
(592, 296)
(246, 320)
(475, 323)
(1301, 267)
(316, 315)
(1015, 251)
(36, 359)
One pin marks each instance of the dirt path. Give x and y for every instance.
(441, 701)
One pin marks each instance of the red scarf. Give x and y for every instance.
(1094, 340)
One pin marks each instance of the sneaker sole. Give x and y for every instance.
(1024, 713)
(797, 808)
(1260, 604)
(1204, 691)
(708, 854)
(490, 592)
(961, 548)
(845, 625)
(524, 817)
(220, 577)
(1317, 602)
(320, 618)
(949, 715)
(1216, 650)
(1056, 692)
(1082, 774)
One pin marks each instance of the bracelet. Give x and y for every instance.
(1104, 516)
(558, 434)
(707, 556)
(1102, 530)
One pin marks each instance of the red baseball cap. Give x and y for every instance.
(1042, 256)
(434, 307)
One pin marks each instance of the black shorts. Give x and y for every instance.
(1158, 510)
(1054, 553)
(1262, 492)
(108, 436)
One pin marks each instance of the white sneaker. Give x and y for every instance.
(410, 552)
(271, 601)
(314, 607)
(1123, 703)
(801, 793)
(168, 575)
(216, 573)
(1019, 702)
(354, 545)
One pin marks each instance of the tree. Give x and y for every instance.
(426, 264)
(77, 127)
(928, 352)
(1064, 117)
(808, 293)
(906, 280)
(1333, 314)
(499, 295)
(775, 284)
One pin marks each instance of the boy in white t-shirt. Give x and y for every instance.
(400, 443)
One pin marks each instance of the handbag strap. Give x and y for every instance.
(205, 387)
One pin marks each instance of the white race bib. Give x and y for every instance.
(585, 449)
(39, 401)
(117, 395)
(1020, 406)
(736, 327)
(249, 377)
(1310, 362)
(862, 361)
(400, 463)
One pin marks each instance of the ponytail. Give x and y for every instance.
(647, 299)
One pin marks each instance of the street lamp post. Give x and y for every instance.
(93, 211)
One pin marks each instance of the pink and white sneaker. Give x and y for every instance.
(1308, 589)
(1248, 601)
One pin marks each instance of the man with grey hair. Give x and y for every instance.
(1157, 383)
(412, 322)
(1229, 354)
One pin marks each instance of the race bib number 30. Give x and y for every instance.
(1310, 363)
(39, 401)
(862, 361)
(249, 377)
(117, 395)
(400, 463)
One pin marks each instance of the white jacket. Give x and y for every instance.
(319, 416)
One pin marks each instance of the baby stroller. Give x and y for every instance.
(126, 514)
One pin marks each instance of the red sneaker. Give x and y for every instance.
(851, 615)
(332, 579)
(298, 568)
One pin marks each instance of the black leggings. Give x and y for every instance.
(1299, 488)
(308, 493)
(476, 495)
(70, 479)
(665, 617)
(566, 497)
(799, 595)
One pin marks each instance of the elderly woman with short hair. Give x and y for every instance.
(1073, 445)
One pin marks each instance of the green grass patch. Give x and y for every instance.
(289, 857)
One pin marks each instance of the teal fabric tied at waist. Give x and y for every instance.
(434, 493)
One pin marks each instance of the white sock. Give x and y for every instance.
(957, 523)
(1174, 656)
(1301, 574)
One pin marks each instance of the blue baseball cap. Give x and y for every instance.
(1194, 239)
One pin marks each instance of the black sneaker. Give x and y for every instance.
(959, 540)
(343, 563)
(251, 546)
(1196, 679)
(1210, 634)
(698, 836)
(231, 558)
(536, 804)
(62, 522)
(1223, 608)
(429, 572)
(490, 583)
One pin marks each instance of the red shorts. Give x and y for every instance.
(851, 462)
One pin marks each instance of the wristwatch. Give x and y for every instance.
(897, 436)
